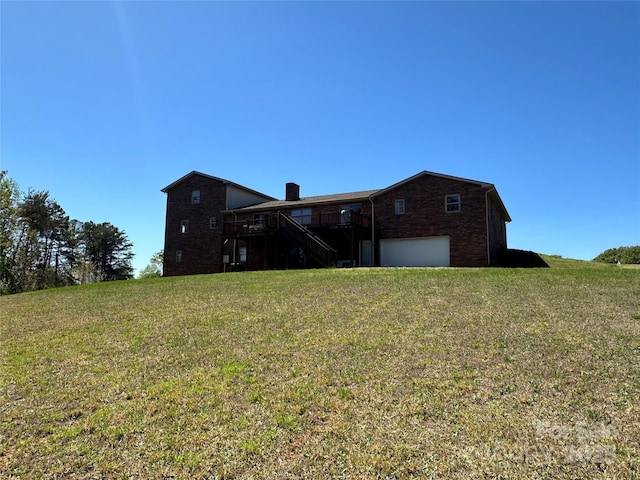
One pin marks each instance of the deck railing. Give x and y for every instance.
(331, 219)
(246, 227)
(318, 219)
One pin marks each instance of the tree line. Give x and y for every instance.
(41, 247)
(627, 255)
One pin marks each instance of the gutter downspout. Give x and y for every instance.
(373, 230)
(235, 238)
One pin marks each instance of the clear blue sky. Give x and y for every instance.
(105, 103)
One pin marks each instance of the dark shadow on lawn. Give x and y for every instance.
(511, 258)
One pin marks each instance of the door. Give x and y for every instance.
(365, 253)
(415, 252)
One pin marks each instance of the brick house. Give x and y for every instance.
(214, 225)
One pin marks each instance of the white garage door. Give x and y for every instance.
(415, 252)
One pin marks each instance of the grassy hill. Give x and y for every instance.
(363, 373)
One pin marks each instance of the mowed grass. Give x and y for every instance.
(363, 373)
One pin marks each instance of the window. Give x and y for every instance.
(184, 226)
(452, 203)
(302, 216)
(242, 254)
(178, 256)
(260, 219)
(259, 222)
(195, 196)
(399, 207)
(347, 210)
(213, 223)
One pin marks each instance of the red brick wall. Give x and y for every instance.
(425, 216)
(201, 246)
(497, 233)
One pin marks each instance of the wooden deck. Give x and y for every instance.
(272, 222)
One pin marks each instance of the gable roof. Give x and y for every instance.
(489, 187)
(271, 203)
(432, 174)
(211, 177)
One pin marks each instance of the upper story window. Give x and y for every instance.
(260, 219)
(184, 226)
(400, 207)
(213, 223)
(195, 196)
(302, 216)
(178, 256)
(347, 210)
(259, 222)
(452, 203)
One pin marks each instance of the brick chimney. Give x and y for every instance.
(293, 191)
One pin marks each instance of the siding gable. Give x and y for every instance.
(238, 198)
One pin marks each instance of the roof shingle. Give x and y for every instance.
(317, 200)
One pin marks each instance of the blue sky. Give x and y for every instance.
(105, 103)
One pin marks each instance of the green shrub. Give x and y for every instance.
(626, 255)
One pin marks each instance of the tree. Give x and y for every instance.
(40, 247)
(9, 196)
(71, 252)
(154, 268)
(43, 224)
(628, 255)
(107, 248)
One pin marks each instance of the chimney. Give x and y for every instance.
(293, 191)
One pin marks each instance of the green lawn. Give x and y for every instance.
(363, 373)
